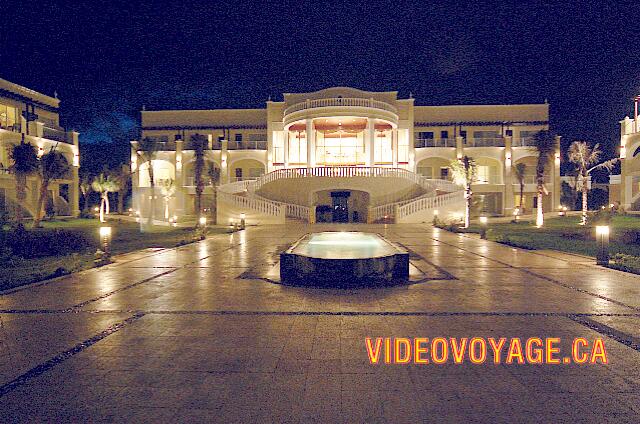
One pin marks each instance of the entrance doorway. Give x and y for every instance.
(340, 207)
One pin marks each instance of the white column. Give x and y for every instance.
(369, 143)
(75, 189)
(224, 166)
(394, 146)
(509, 198)
(311, 144)
(285, 135)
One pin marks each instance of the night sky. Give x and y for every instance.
(107, 59)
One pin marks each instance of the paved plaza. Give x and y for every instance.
(196, 334)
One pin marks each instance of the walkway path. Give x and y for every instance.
(182, 334)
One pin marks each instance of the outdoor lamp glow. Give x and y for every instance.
(203, 220)
(105, 231)
(242, 215)
(435, 212)
(483, 220)
(242, 222)
(602, 240)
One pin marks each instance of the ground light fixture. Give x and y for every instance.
(203, 221)
(483, 227)
(104, 252)
(602, 240)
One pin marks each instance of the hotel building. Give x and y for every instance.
(346, 155)
(625, 187)
(33, 117)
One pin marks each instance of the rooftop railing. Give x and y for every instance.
(340, 101)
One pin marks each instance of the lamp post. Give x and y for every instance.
(103, 254)
(483, 227)
(602, 240)
(242, 222)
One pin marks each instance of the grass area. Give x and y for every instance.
(126, 237)
(565, 234)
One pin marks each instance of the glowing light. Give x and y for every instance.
(243, 215)
(203, 220)
(96, 209)
(483, 220)
(435, 212)
(623, 152)
(602, 230)
(105, 231)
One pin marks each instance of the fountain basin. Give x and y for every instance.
(343, 259)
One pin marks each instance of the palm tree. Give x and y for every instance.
(85, 189)
(586, 160)
(199, 143)
(464, 174)
(51, 166)
(545, 145)
(520, 172)
(168, 189)
(104, 184)
(148, 150)
(214, 179)
(122, 176)
(24, 157)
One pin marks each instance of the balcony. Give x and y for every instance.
(431, 142)
(531, 179)
(54, 134)
(247, 145)
(524, 142)
(340, 101)
(485, 142)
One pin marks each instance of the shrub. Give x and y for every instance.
(40, 243)
(626, 263)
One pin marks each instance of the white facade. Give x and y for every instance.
(43, 130)
(346, 128)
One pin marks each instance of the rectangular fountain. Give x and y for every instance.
(342, 259)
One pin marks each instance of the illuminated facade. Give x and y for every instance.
(32, 116)
(625, 187)
(357, 134)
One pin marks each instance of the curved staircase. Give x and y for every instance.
(242, 197)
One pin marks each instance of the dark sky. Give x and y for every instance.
(108, 58)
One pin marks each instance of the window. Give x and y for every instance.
(403, 149)
(9, 119)
(485, 134)
(383, 149)
(278, 148)
(177, 137)
(463, 134)
(220, 138)
(444, 173)
(444, 135)
(509, 133)
(425, 135)
(238, 174)
(297, 147)
(487, 174)
(239, 138)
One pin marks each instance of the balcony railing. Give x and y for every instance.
(209, 145)
(247, 145)
(432, 142)
(340, 101)
(15, 127)
(54, 134)
(531, 179)
(524, 141)
(485, 142)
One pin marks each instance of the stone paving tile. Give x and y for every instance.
(205, 362)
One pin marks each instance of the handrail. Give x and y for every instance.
(340, 101)
(428, 203)
(243, 193)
